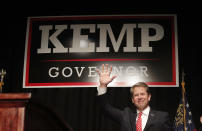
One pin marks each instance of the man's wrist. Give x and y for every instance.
(101, 90)
(102, 86)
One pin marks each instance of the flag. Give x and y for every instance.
(183, 119)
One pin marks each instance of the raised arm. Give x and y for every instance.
(105, 79)
(104, 76)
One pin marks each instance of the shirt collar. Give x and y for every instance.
(145, 111)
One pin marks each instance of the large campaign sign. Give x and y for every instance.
(65, 51)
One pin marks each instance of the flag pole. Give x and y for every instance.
(183, 99)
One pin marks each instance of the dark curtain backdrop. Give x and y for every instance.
(77, 107)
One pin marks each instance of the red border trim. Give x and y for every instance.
(93, 17)
(92, 84)
(173, 50)
(28, 54)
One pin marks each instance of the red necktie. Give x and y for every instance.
(139, 122)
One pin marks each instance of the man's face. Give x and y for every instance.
(140, 98)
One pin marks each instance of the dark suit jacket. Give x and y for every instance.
(200, 129)
(157, 120)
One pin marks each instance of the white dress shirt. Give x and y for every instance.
(101, 91)
(145, 115)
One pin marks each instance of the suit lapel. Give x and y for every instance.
(133, 121)
(150, 119)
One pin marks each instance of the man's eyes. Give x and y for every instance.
(142, 94)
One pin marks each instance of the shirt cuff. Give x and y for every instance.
(101, 91)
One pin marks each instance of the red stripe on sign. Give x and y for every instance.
(99, 60)
(63, 84)
(161, 83)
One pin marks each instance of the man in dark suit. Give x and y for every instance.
(144, 118)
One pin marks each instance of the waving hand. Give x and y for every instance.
(104, 75)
